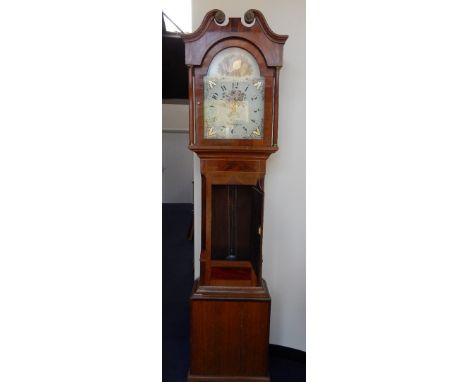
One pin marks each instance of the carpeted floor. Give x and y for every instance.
(286, 365)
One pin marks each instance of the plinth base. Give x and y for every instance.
(229, 334)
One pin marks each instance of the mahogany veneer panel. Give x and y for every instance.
(230, 338)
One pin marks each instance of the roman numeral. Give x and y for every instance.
(258, 85)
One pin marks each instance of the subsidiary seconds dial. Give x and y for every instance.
(233, 108)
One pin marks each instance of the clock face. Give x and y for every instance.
(233, 109)
(234, 97)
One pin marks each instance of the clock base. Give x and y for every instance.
(229, 329)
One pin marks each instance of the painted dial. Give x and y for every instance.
(233, 109)
(233, 97)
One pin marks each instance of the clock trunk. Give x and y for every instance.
(232, 220)
(236, 233)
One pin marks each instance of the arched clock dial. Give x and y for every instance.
(233, 96)
(233, 108)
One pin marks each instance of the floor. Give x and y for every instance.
(286, 365)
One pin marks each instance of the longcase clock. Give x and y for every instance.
(233, 95)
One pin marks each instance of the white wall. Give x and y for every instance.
(177, 159)
(284, 220)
